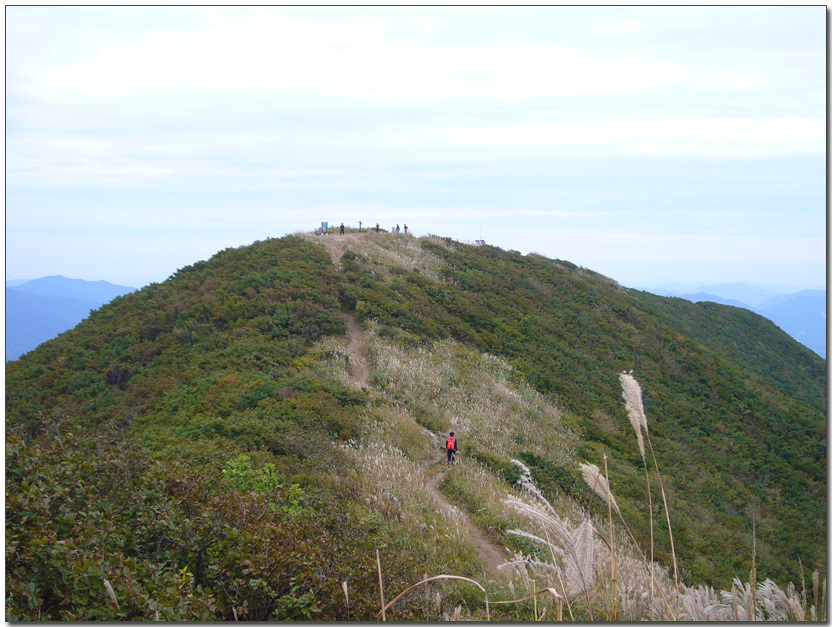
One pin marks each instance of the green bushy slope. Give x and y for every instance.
(118, 431)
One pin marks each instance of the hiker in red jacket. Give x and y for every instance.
(450, 446)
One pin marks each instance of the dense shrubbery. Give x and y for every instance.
(175, 544)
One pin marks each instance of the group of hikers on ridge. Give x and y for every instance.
(395, 229)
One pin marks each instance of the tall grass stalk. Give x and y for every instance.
(631, 392)
(752, 580)
(803, 581)
(436, 578)
(560, 580)
(600, 485)
(669, 528)
(635, 410)
(652, 540)
(558, 602)
(815, 582)
(381, 588)
(612, 543)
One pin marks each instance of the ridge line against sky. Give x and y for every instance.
(650, 144)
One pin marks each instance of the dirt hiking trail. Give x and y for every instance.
(359, 368)
(432, 470)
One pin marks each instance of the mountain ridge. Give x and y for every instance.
(247, 353)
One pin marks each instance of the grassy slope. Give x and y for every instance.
(230, 356)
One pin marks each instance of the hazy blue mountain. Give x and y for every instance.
(784, 298)
(740, 292)
(801, 315)
(41, 309)
(99, 291)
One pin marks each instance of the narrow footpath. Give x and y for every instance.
(432, 470)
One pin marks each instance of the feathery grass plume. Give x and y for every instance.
(598, 482)
(578, 559)
(580, 568)
(526, 484)
(347, 595)
(111, 593)
(631, 392)
(578, 553)
(696, 603)
(767, 602)
(575, 547)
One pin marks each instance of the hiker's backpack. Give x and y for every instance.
(450, 443)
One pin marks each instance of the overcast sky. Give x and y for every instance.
(650, 144)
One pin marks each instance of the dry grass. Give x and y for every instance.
(473, 394)
(327, 360)
(399, 251)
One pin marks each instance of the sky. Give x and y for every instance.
(654, 145)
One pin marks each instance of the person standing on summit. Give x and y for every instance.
(450, 446)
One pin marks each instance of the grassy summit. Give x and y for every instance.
(205, 446)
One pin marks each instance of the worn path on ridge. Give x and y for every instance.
(434, 469)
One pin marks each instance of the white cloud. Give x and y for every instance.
(703, 136)
(733, 80)
(627, 25)
(356, 59)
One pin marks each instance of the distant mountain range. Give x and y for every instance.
(800, 314)
(41, 309)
